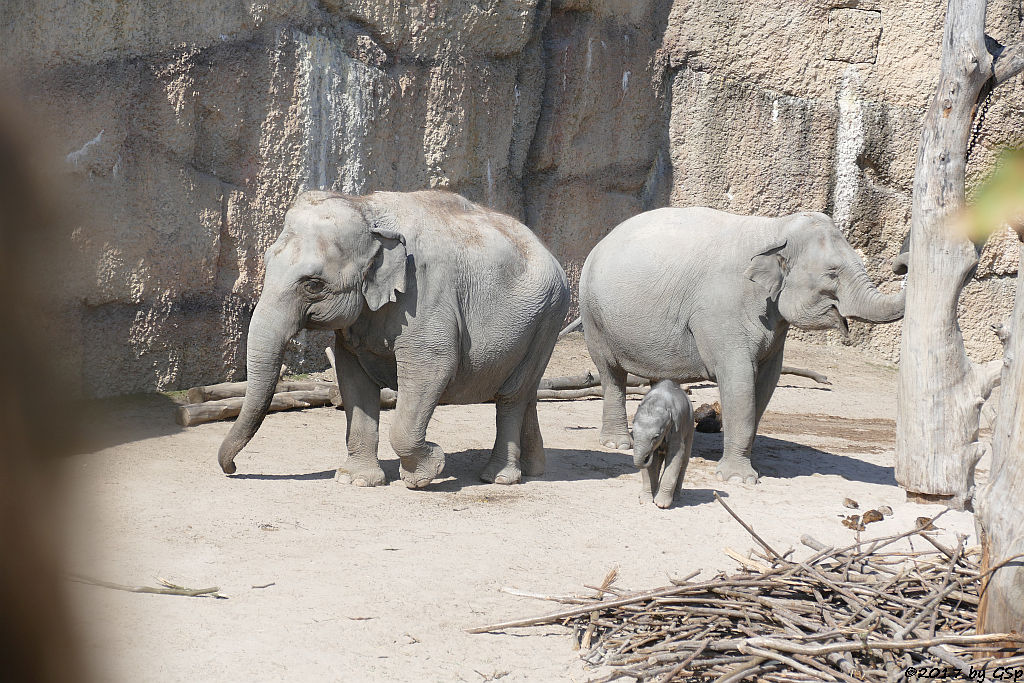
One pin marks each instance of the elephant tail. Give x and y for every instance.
(571, 327)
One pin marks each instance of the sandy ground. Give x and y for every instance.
(380, 584)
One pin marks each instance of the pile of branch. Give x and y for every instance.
(858, 613)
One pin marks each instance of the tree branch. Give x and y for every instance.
(1008, 63)
(989, 376)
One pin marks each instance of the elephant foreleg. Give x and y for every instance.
(421, 460)
(739, 421)
(767, 379)
(677, 457)
(361, 398)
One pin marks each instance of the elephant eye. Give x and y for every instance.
(313, 287)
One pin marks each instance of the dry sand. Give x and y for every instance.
(379, 584)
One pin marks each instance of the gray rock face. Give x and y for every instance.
(185, 129)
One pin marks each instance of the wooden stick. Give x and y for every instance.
(168, 589)
(682, 665)
(329, 352)
(576, 324)
(780, 645)
(631, 599)
(801, 372)
(746, 526)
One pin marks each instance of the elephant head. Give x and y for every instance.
(650, 427)
(818, 280)
(334, 259)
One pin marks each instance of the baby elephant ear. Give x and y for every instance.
(768, 269)
(386, 274)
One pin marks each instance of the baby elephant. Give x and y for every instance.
(662, 435)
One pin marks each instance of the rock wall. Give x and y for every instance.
(185, 129)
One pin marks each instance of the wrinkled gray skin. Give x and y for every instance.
(662, 440)
(429, 294)
(698, 294)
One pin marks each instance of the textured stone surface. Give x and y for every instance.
(853, 35)
(185, 129)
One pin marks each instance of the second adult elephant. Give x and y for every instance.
(693, 293)
(429, 294)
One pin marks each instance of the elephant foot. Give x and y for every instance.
(646, 497)
(361, 476)
(417, 472)
(619, 440)
(737, 469)
(664, 500)
(532, 465)
(496, 473)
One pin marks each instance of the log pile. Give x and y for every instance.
(864, 612)
(229, 407)
(224, 401)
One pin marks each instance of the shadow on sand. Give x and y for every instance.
(787, 459)
(772, 458)
(108, 422)
(309, 476)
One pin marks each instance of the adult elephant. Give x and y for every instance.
(427, 293)
(694, 293)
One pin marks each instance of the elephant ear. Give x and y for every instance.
(386, 274)
(768, 269)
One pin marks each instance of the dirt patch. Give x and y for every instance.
(380, 584)
(881, 431)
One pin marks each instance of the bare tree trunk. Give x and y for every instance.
(1001, 502)
(940, 390)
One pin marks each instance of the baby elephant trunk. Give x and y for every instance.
(643, 453)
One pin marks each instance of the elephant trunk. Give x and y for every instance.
(269, 333)
(860, 299)
(902, 261)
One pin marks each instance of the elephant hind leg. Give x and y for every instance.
(503, 467)
(531, 444)
(520, 390)
(614, 427)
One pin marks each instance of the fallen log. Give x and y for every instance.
(586, 392)
(801, 372)
(227, 408)
(210, 411)
(591, 378)
(217, 392)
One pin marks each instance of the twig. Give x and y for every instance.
(746, 526)
(168, 589)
